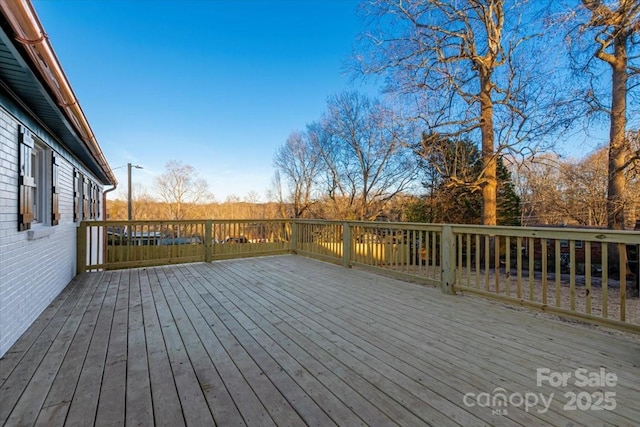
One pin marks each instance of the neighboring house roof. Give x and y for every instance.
(32, 75)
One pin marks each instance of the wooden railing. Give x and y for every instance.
(565, 271)
(109, 245)
(588, 274)
(401, 249)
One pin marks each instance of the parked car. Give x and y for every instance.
(193, 240)
(240, 239)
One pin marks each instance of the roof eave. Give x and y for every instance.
(29, 32)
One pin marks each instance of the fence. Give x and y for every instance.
(587, 274)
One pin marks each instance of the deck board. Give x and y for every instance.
(166, 404)
(138, 403)
(287, 340)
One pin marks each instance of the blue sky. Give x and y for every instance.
(217, 84)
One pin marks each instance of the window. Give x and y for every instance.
(565, 243)
(26, 180)
(55, 190)
(39, 168)
(38, 183)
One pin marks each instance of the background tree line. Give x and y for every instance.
(549, 190)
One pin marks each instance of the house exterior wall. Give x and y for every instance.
(35, 265)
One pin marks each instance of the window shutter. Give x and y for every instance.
(76, 195)
(94, 201)
(99, 204)
(90, 199)
(55, 211)
(26, 182)
(85, 198)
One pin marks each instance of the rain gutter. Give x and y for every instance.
(29, 32)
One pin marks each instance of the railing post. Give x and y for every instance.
(447, 260)
(346, 245)
(81, 248)
(208, 241)
(293, 245)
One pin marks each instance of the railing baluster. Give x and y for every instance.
(605, 280)
(543, 267)
(434, 255)
(496, 261)
(519, 267)
(532, 268)
(587, 275)
(572, 274)
(468, 260)
(478, 261)
(622, 268)
(459, 263)
(507, 265)
(487, 262)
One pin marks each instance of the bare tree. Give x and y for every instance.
(365, 162)
(297, 162)
(142, 204)
(584, 189)
(572, 191)
(465, 63)
(539, 184)
(181, 189)
(276, 193)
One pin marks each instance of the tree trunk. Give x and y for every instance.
(490, 186)
(617, 152)
(617, 143)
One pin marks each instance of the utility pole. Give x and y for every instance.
(129, 211)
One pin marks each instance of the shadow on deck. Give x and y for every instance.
(287, 340)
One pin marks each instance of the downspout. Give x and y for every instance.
(105, 235)
(29, 32)
(104, 201)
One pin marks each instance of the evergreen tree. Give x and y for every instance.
(509, 209)
(451, 171)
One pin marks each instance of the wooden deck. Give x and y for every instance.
(287, 340)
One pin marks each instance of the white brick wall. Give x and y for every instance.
(32, 272)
